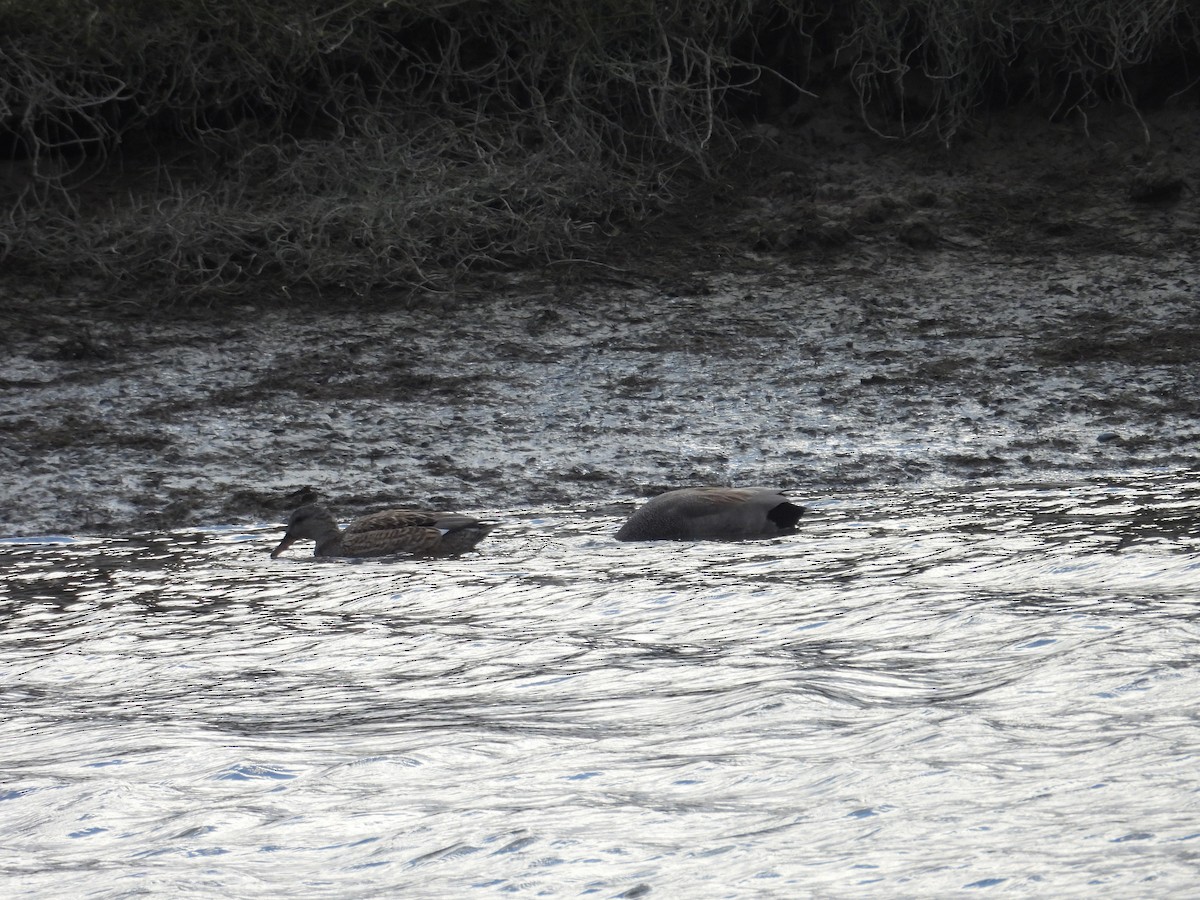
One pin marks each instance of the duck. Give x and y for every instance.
(713, 514)
(419, 532)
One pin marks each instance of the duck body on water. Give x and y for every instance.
(713, 514)
(686, 514)
(418, 532)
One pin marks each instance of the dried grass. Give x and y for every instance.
(373, 144)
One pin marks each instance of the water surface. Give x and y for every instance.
(923, 693)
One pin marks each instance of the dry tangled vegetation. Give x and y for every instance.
(199, 151)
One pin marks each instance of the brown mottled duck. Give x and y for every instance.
(418, 532)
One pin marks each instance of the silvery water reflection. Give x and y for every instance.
(923, 693)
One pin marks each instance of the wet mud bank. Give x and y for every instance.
(849, 313)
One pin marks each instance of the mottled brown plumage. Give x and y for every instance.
(419, 532)
(713, 514)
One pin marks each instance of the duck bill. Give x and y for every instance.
(283, 545)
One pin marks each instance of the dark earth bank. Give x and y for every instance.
(844, 312)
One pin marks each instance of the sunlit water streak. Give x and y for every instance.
(923, 694)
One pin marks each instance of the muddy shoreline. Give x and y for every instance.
(848, 312)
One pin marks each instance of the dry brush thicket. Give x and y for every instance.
(195, 149)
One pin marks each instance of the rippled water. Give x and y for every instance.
(923, 693)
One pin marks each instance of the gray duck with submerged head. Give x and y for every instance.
(417, 532)
(713, 514)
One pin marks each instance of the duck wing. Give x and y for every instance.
(421, 532)
(393, 519)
